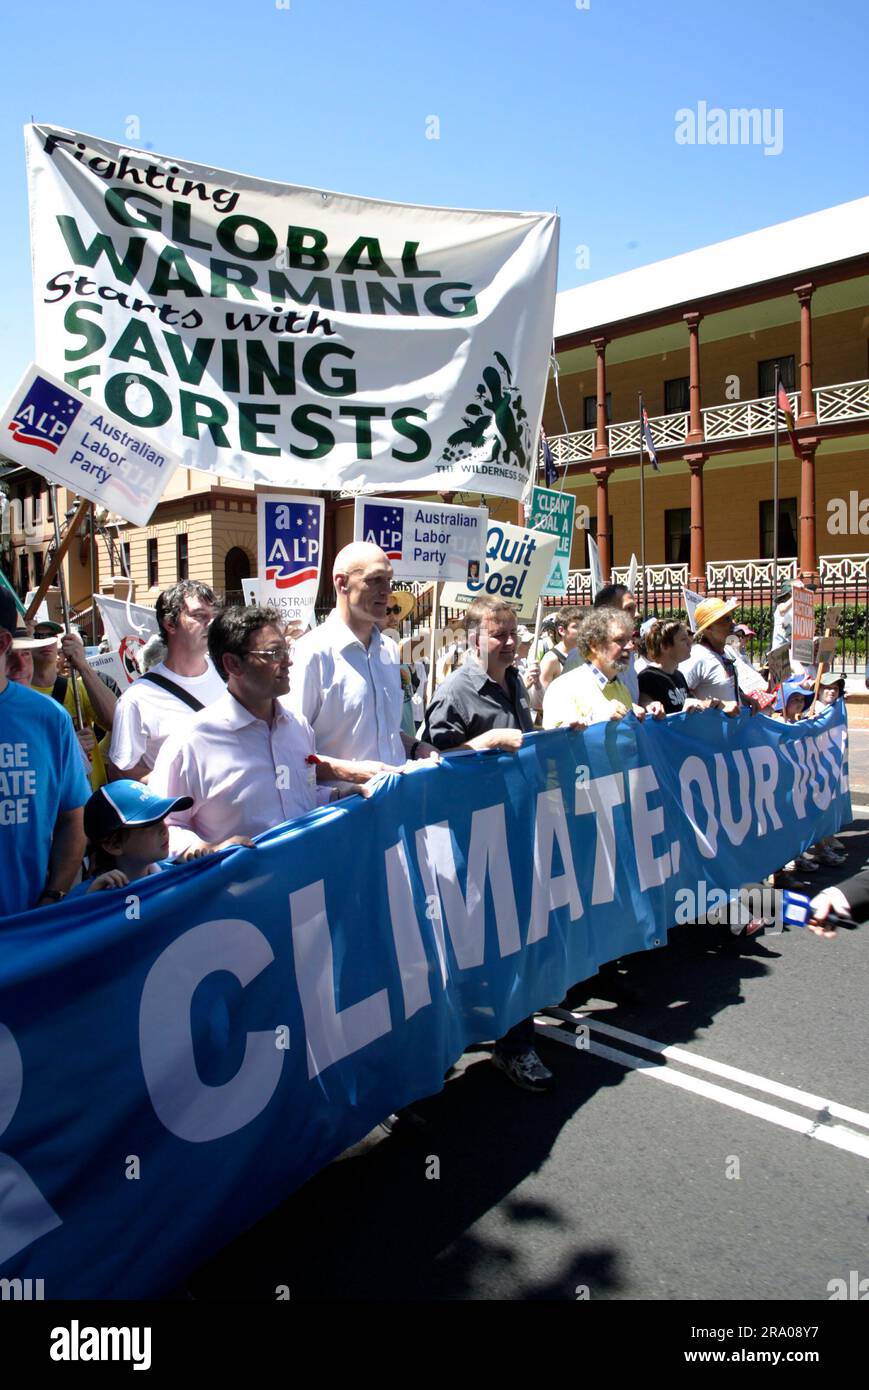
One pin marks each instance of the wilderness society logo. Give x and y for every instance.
(496, 427)
(259, 329)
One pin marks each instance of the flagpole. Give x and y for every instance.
(643, 512)
(775, 497)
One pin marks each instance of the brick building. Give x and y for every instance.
(698, 335)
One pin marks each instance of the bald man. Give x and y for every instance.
(345, 678)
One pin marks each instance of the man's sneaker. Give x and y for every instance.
(827, 855)
(524, 1069)
(406, 1124)
(837, 845)
(804, 865)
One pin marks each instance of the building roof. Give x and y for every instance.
(788, 248)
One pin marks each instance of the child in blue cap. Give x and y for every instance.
(125, 824)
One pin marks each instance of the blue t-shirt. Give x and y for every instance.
(41, 777)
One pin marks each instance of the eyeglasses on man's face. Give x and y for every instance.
(272, 654)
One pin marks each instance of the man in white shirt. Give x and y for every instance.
(172, 690)
(346, 679)
(245, 761)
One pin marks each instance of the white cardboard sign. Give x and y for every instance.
(424, 540)
(289, 552)
(518, 561)
(56, 431)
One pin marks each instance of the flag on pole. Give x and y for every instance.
(784, 406)
(549, 470)
(648, 441)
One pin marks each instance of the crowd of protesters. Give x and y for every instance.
(238, 724)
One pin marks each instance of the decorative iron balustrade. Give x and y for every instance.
(747, 574)
(739, 418)
(848, 401)
(571, 448)
(843, 569)
(732, 420)
(657, 576)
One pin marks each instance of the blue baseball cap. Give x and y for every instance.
(125, 804)
(789, 688)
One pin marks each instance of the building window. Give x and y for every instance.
(23, 573)
(677, 535)
(38, 567)
(153, 579)
(49, 504)
(125, 546)
(589, 411)
(787, 529)
(676, 395)
(766, 375)
(181, 556)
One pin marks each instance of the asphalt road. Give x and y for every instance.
(619, 1185)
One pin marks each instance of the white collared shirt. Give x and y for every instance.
(146, 714)
(579, 695)
(243, 776)
(350, 694)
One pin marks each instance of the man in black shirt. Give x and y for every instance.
(483, 705)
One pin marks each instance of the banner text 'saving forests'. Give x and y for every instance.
(288, 335)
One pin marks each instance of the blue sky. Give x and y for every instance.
(540, 105)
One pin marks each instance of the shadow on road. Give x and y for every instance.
(392, 1219)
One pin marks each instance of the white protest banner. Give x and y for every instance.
(42, 614)
(424, 540)
(289, 532)
(250, 591)
(779, 665)
(56, 431)
(831, 620)
(110, 664)
(596, 574)
(554, 511)
(305, 339)
(691, 598)
(824, 649)
(633, 570)
(518, 559)
(803, 631)
(127, 627)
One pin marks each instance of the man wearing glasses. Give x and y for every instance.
(246, 761)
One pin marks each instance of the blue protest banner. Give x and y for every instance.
(177, 1056)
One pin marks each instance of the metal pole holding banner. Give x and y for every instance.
(92, 541)
(61, 584)
(59, 555)
(775, 500)
(433, 630)
(537, 625)
(643, 514)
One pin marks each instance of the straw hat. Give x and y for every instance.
(710, 610)
(405, 600)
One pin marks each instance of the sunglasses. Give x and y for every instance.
(395, 609)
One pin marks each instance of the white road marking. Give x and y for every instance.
(745, 1078)
(816, 1127)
